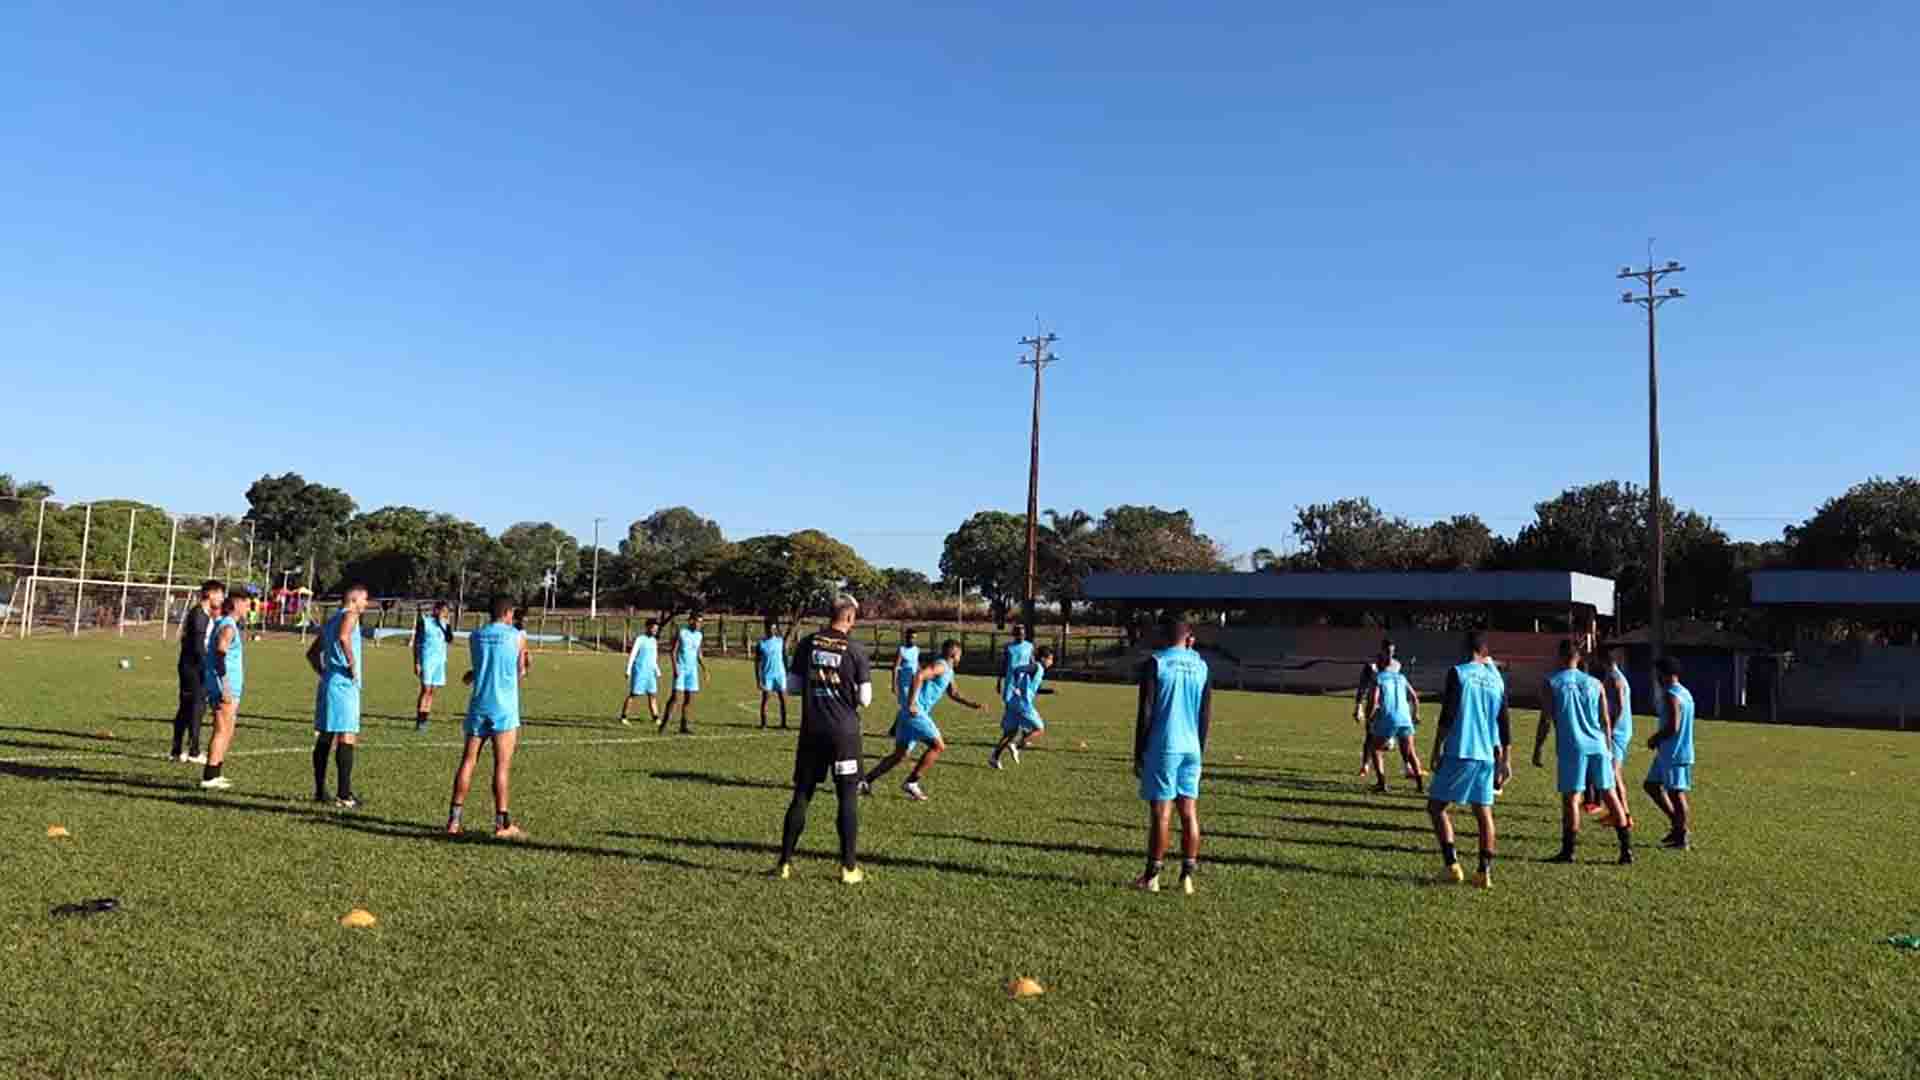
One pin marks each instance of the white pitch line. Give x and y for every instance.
(83, 755)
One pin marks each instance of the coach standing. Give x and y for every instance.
(836, 682)
(193, 657)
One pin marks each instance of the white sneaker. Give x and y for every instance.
(218, 783)
(865, 789)
(177, 759)
(1015, 751)
(913, 791)
(993, 761)
(197, 759)
(624, 722)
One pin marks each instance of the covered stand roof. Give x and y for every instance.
(1692, 634)
(1837, 589)
(1533, 590)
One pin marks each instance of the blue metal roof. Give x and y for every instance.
(1543, 589)
(1838, 588)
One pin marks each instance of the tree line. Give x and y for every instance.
(674, 559)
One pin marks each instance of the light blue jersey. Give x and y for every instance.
(772, 655)
(1473, 733)
(934, 689)
(495, 704)
(1620, 705)
(918, 727)
(1019, 655)
(1396, 711)
(336, 702)
(1023, 689)
(1176, 705)
(224, 674)
(687, 653)
(643, 665)
(1577, 727)
(430, 644)
(903, 670)
(1677, 750)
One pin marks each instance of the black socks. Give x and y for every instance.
(1486, 861)
(321, 744)
(1449, 854)
(343, 759)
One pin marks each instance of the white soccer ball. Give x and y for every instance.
(126, 664)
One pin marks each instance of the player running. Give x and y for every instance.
(643, 672)
(1363, 700)
(1574, 706)
(1018, 654)
(431, 636)
(1395, 709)
(1470, 756)
(688, 667)
(1020, 725)
(1671, 777)
(1169, 736)
(500, 661)
(836, 682)
(335, 658)
(195, 629)
(932, 682)
(771, 660)
(224, 676)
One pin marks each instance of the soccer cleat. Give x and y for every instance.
(782, 872)
(419, 727)
(1565, 856)
(348, 802)
(218, 783)
(1483, 879)
(865, 789)
(511, 832)
(322, 797)
(1452, 875)
(1626, 857)
(1015, 751)
(624, 722)
(195, 759)
(661, 723)
(1147, 883)
(914, 791)
(1379, 789)
(1411, 775)
(1677, 842)
(855, 876)
(993, 761)
(454, 828)
(1186, 884)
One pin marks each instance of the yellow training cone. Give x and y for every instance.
(103, 734)
(1083, 744)
(57, 832)
(358, 918)
(1024, 987)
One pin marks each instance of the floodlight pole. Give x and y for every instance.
(1042, 356)
(1651, 300)
(593, 596)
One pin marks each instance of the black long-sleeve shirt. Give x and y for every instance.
(193, 638)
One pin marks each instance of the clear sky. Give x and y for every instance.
(555, 261)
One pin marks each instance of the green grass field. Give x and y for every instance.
(635, 935)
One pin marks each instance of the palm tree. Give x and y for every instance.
(1068, 550)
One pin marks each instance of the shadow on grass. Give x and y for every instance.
(1222, 834)
(1133, 855)
(715, 779)
(772, 851)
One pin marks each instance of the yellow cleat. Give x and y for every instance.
(1482, 879)
(782, 872)
(1452, 875)
(852, 877)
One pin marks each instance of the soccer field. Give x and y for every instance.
(635, 934)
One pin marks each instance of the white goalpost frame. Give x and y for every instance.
(126, 571)
(166, 601)
(80, 582)
(26, 620)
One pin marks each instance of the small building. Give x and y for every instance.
(1717, 665)
(1858, 676)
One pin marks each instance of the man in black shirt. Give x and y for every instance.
(193, 655)
(836, 682)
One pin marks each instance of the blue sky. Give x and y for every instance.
(559, 261)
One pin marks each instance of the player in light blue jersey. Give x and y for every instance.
(224, 676)
(1573, 705)
(906, 663)
(1395, 709)
(1018, 654)
(500, 661)
(1175, 710)
(1613, 679)
(688, 667)
(432, 633)
(1670, 779)
(1470, 756)
(1363, 708)
(934, 681)
(643, 671)
(1020, 725)
(770, 664)
(335, 658)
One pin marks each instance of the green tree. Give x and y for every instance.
(303, 520)
(1149, 540)
(1875, 525)
(530, 549)
(1601, 529)
(1069, 551)
(671, 560)
(989, 550)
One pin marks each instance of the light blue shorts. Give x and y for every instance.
(774, 684)
(1669, 776)
(1622, 743)
(910, 729)
(687, 679)
(1460, 780)
(1578, 772)
(1383, 727)
(1170, 776)
(336, 706)
(643, 681)
(218, 689)
(486, 727)
(1018, 720)
(434, 672)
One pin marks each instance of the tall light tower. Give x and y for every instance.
(1651, 299)
(1042, 356)
(593, 601)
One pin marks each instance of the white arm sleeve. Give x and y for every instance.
(866, 694)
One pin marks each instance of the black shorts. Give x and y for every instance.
(826, 753)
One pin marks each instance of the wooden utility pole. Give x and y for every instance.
(1042, 356)
(1651, 300)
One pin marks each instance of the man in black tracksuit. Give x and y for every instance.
(836, 682)
(193, 654)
